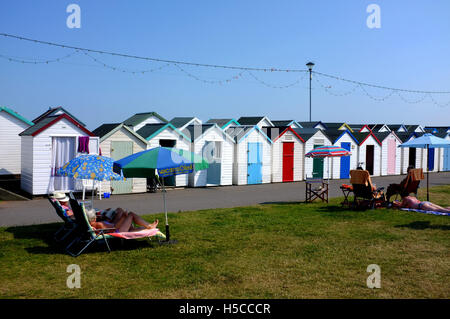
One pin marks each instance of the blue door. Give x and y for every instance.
(431, 159)
(254, 164)
(447, 159)
(345, 161)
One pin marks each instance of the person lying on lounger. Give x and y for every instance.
(123, 221)
(414, 203)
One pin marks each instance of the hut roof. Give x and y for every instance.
(149, 131)
(140, 117)
(46, 122)
(15, 114)
(54, 112)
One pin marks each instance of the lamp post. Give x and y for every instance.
(310, 66)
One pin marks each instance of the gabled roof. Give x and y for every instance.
(15, 114)
(275, 132)
(307, 133)
(396, 127)
(196, 131)
(336, 126)
(223, 123)
(181, 122)
(405, 136)
(335, 135)
(312, 124)
(54, 112)
(149, 131)
(356, 127)
(361, 137)
(286, 123)
(381, 136)
(140, 117)
(412, 128)
(106, 130)
(377, 127)
(46, 122)
(252, 120)
(239, 133)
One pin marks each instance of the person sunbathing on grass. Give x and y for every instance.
(414, 203)
(123, 221)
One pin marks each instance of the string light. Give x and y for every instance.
(243, 70)
(37, 61)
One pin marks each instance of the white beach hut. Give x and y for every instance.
(369, 152)
(11, 124)
(166, 135)
(315, 167)
(287, 154)
(391, 157)
(252, 155)
(341, 166)
(217, 147)
(118, 141)
(46, 146)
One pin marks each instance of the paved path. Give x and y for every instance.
(39, 211)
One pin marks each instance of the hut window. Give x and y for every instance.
(319, 141)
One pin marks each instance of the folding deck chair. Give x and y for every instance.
(409, 185)
(69, 224)
(87, 235)
(318, 192)
(364, 193)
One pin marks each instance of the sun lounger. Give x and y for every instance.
(69, 224)
(87, 235)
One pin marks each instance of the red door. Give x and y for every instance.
(288, 162)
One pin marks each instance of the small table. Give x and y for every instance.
(318, 192)
(346, 191)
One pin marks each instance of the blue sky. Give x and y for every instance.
(411, 50)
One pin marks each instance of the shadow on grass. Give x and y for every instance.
(282, 203)
(421, 225)
(43, 238)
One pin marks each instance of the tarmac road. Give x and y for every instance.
(39, 211)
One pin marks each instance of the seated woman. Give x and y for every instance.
(63, 200)
(123, 221)
(414, 203)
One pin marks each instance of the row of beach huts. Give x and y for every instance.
(246, 150)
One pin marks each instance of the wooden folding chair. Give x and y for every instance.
(320, 191)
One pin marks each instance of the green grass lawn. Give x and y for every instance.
(281, 250)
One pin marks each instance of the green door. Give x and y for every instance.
(120, 150)
(317, 166)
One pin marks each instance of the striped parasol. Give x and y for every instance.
(328, 151)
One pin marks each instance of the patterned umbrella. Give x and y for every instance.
(92, 167)
(328, 151)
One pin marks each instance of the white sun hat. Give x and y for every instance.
(60, 196)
